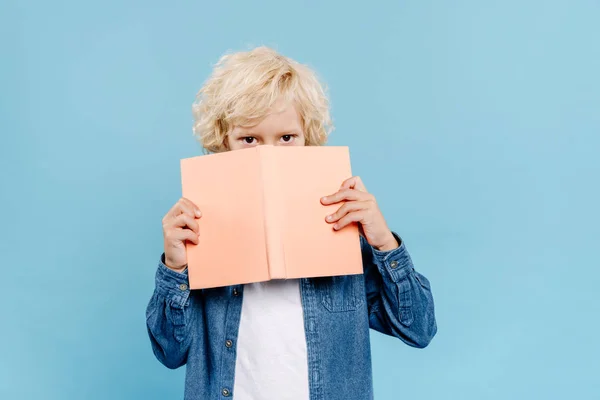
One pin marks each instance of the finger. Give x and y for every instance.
(185, 221)
(354, 183)
(345, 209)
(348, 195)
(184, 206)
(192, 206)
(356, 216)
(181, 235)
(177, 209)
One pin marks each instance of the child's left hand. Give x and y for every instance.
(360, 206)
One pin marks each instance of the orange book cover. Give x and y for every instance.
(262, 217)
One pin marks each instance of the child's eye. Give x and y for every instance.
(287, 138)
(249, 140)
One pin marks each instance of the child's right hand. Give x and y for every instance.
(180, 224)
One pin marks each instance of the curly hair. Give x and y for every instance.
(243, 90)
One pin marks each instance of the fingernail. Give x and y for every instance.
(198, 213)
(324, 198)
(336, 227)
(329, 217)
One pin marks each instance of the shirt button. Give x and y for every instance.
(225, 392)
(235, 292)
(228, 343)
(183, 287)
(394, 264)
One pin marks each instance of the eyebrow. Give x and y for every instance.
(284, 132)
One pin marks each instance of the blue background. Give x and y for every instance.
(475, 123)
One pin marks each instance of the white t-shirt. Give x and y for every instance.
(271, 350)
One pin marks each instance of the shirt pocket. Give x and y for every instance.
(341, 293)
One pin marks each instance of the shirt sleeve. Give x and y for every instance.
(169, 316)
(400, 301)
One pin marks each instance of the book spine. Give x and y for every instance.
(273, 203)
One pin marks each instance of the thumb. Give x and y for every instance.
(354, 183)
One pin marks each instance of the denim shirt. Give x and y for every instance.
(199, 328)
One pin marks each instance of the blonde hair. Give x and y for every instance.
(245, 86)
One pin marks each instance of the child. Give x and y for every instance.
(294, 339)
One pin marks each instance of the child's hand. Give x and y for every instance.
(180, 224)
(361, 207)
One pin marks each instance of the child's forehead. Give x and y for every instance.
(278, 122)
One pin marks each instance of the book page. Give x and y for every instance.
(227, 188)
(312, 248)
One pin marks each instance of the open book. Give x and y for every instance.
(262, 217)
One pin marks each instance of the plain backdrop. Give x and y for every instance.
(475, 123)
